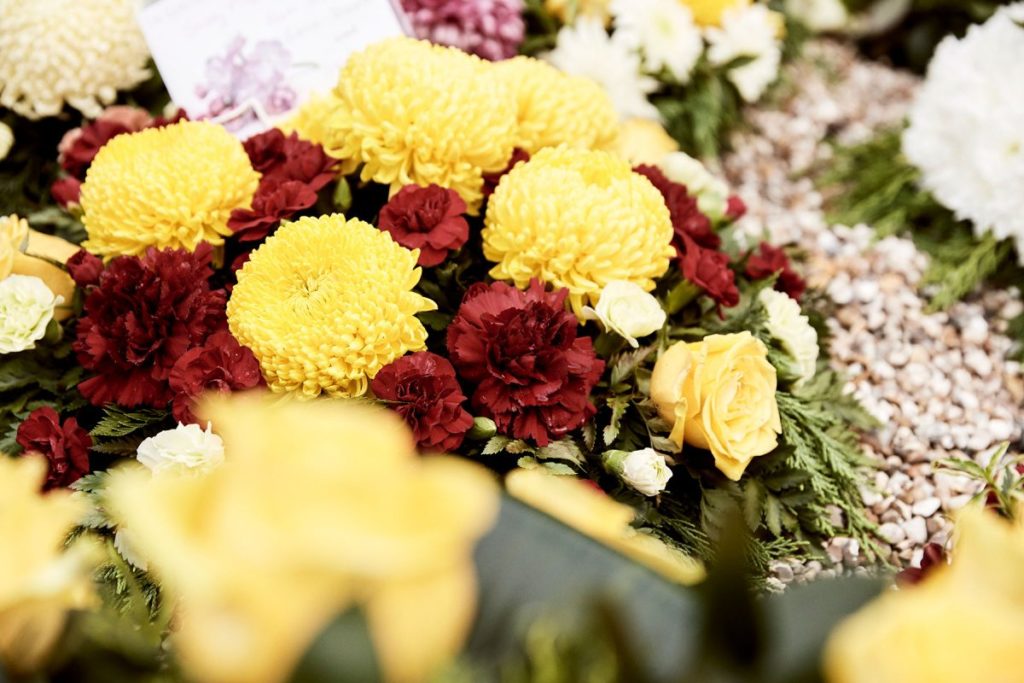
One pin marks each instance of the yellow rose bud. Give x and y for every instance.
(719, 394)
(709, 12)
(642, 141)
(24, 251)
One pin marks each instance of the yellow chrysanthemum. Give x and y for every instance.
(556, 108)
(412, 112)
(310, 121)
(577, 219)
(76, 51)
(643, 141)
(325, 303)
(174, 186)
(709, 12)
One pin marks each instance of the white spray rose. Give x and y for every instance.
(792, 329)
(819, 15)
(627, 310)
(26, 308)
(644, 470)
(712, 193)
(186, 447)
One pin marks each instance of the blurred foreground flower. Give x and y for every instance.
(317, 507)
(38, 582)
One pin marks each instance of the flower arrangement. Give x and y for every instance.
(690, 64)
(952, 183)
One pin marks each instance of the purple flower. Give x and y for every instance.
(492, 29)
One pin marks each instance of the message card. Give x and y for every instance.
(249, 63)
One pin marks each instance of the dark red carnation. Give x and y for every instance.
(66, 191)
(491, 180)
(280, 158)
(934, 556)
(220, 365)
(426, 218)
(770, 260)
(709, 270)
(84, 268)
(421, 387)
(531, 374)
(144, 314)
(66, 448)
(687, 219)
(272, 204)
(735, 208)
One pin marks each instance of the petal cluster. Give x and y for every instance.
(492, 30)
(577, 219)
(325, 303)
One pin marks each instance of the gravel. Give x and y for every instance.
(939, 383)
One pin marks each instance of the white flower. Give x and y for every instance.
(793, 331)
(586, 49)
(712, 193)
(26, 308)
(663, 30)
(748, 31)
(627, 310)
(966, 132)
(644, 470)
(6, 140)
(76, 51)
(819, 15)
(186, 447)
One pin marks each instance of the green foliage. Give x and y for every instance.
(1002, 481)
(121, 422)
(700, 113)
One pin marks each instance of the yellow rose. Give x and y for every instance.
(964, 622)
(709, 12)
(24, 251)
(719, 394)
(642, 141)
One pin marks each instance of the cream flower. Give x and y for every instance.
(819, 15)
(791, 328)
(627, 310)
(6, 140)
(586, 49)
(748, 32)
(26, 308)
(643, 141)
(76, 51)
(966, 134)
(663, 31)
(644, 470)
(184, 448)
(712, 193)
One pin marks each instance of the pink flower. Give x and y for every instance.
(492, 29)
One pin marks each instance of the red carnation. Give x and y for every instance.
(771, 260)
(280, 158)
(532, 374)
(144, 314)
(934, 556)
(66, 191)
(272, 204)
(79, 146)
(687, 219)
(491, 180)
(66, 448)
(426, 218)
(220, 365)
(735, 208)
(421, 387)
(84, 268)
(709, 270)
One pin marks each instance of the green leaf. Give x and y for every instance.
(118, 422)
(496, 444)
(618, 404)
(563, 449)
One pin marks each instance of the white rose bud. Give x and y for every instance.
(26, 308)
(712, 194)
(184, 448)
(791, 328)
(644, 470)
(627, 310)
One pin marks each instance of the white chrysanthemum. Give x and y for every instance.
(663, 31)
(791, 328)
(26, 308)
(586, 49)
(966, 132)
(76, 51)
(6, 140)
(184, 448)
(748, 31)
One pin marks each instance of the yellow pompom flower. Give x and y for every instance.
(414, 113)
(310, 121)
(556, 108)
(577, 219)
(709, 12)
(325, 303)
(174, 186)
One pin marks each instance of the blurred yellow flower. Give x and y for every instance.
(577, 219)
(24, 251)
(709, 12)
(317, 507)
(964, 622)
(570, 10)
(325, 303)
(39, 581)
(174, 186)
(592, 512)
(719, 394)
(643, 141)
